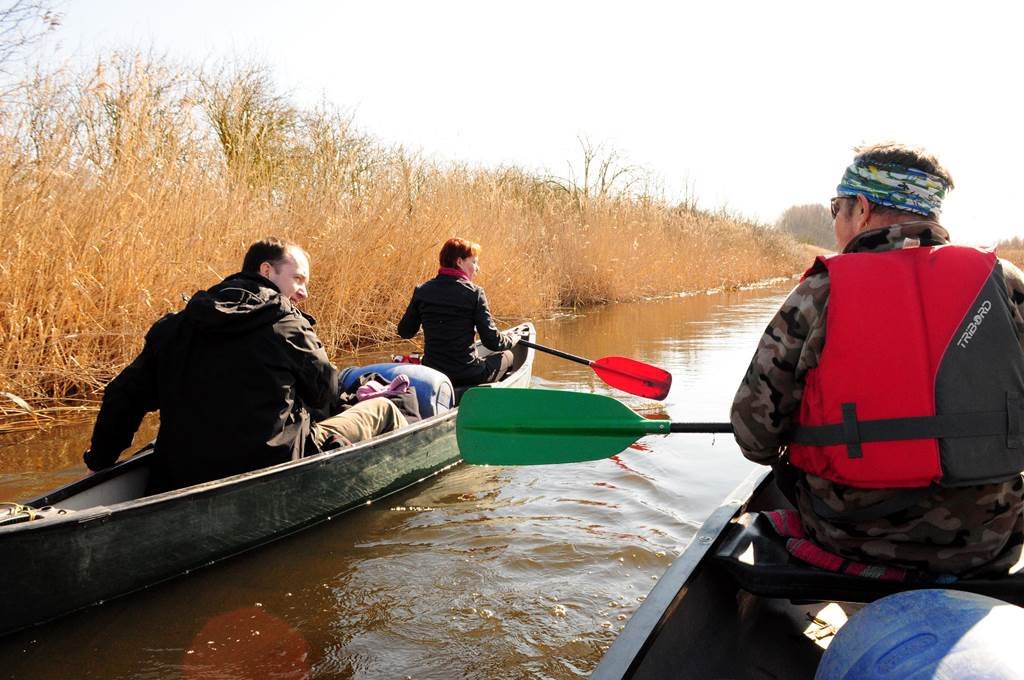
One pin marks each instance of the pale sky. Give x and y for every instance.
(752, 106)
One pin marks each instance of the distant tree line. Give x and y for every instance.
(812, 223)
(809, 223)
(1012, 249)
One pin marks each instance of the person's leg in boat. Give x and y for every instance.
(365, 420)
(497, 365)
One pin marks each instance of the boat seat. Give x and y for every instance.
(756, 557)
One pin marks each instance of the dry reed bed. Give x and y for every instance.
(123, 190)
(1014, 255)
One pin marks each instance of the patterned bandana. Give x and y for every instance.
(895, 186)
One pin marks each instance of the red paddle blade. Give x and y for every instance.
(635, 377)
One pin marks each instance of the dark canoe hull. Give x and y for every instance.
(110, 542)
(737, 605)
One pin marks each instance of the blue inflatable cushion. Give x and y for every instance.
(434, 391)
(927, 635)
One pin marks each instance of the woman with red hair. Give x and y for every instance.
(450, 307)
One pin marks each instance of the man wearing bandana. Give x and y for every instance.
(888, 391)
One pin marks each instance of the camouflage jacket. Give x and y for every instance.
(975, 530)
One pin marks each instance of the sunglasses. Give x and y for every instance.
(834, 204)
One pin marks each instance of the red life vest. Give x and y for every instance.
(921, 379)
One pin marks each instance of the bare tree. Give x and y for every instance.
(22, 24)
(253, 122)
(603, 174)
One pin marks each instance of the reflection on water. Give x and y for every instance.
(483, 572)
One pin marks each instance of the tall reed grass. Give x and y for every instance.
(127, 187)
(1012, 249)
(1013, 255)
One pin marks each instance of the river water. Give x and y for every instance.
(482, 572)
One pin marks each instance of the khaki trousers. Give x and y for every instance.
(363, 421)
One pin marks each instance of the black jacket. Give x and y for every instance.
(233, 375)
(450, 309)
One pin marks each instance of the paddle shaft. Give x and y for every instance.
(557, 353)
(628, 375)
(701, 427)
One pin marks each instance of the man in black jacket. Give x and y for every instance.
(234, 376)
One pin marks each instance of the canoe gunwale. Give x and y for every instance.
(205, 488)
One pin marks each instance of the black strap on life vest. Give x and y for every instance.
(907, 498)
(852, 432)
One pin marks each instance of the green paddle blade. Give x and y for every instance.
(534, 427)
